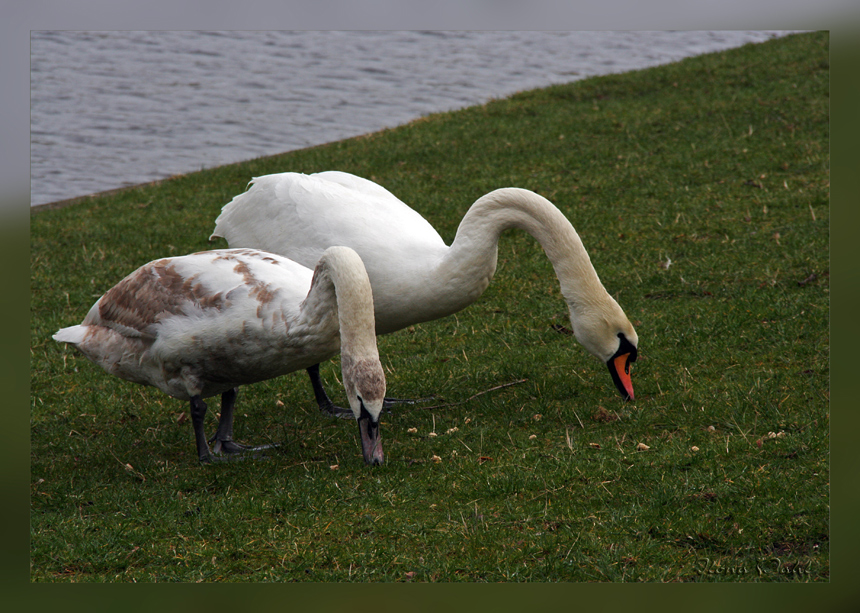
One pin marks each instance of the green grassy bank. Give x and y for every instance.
(700, 189)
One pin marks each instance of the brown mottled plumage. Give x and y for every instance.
(199, 325)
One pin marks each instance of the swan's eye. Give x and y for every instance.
(626, 346)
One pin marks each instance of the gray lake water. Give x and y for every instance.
(111, 109)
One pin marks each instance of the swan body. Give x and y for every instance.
(415, 276)
(203, 324)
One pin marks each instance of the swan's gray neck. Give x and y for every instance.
(473, 253)
(341, 297)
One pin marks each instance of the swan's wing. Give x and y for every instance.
(360, 185)
(198, 324)
(220, 280)
(299, 216)
(133, 306)
(119, 331)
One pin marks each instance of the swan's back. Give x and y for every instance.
(222, 285)
(299, 216)
(213, 320)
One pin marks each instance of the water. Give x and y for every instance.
(111, 109)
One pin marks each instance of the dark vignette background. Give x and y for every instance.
(839, 16)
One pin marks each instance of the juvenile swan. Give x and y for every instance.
(203, 324)
(415, 276)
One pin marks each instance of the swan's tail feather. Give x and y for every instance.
(72, 334)
(237, 216)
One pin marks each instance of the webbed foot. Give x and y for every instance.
(388, 403)
(230, 449)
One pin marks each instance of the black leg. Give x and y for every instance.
(222, 442)
(325, 404)
(198, 412)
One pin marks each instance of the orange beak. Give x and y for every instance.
(620, 369)
(619, 366)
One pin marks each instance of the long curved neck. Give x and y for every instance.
(340, 285)
(473, 253)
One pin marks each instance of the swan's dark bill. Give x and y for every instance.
(371, 440)
(619, 367)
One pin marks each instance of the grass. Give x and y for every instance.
(700, 189)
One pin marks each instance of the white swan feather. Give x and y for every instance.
(414, 275)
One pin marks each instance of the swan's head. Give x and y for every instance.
(364, 382)
(608, 335)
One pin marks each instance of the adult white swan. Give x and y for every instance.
(415, 276)
(202, 324)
